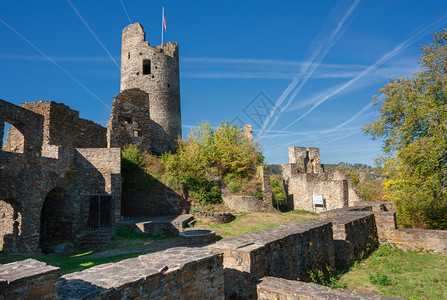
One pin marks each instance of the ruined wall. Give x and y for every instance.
(129, 121)
(154, 202)
(307, 160)
(42, 197)
(176, 273)
(355, 236)
(246, 203)
(287, 251)
(155, 71)
(63, 127)
(28, 279)
(271, 288)
(304, 176)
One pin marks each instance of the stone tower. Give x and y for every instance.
(154, 70)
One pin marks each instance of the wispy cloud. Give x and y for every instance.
(37, 58)
(398, 49)
(315, 58)
(93, 34)
(125, 10)
(55, 63)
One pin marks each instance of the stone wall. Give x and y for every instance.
(154, 70)
(63, 127)
(153, 202)
(28, 279)
(246, 203)
(176, 273)
(355, 236)
(130, 121)
(271, 288)
(43, 197)
(304, 176)
(215, 218)
(287, 251)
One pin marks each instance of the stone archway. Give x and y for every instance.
(56, 220)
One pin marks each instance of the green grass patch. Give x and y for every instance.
(68, 264)
(402, 274)
(251, 222)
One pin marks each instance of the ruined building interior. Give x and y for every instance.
(60, 175)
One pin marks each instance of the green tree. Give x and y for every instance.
(413, 125)
(209, 157)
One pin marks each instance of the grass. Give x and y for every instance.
(402, 274)
(81, 259)
(250, 222)
(68, 264)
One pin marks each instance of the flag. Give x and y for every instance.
(164, 22)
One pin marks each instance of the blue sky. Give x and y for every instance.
(302, 72)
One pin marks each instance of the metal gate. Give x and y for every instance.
(100, 211)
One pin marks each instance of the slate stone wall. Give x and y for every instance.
(28, 279)
(129, 121)
(176, 273)
(246, 203)
(63, 127)
(271, 288)
(304, 176)
(154, 70)
(30, 182)
(287, 251)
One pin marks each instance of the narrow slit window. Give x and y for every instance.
(146, 66)
(128, 55)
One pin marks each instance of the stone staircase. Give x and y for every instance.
(94, 239)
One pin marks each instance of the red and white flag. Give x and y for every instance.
(164, 23)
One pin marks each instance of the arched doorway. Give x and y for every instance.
(56, 220)
(10, 224)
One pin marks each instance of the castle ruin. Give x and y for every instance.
(304, 177)
(60, 175)
(154, 70)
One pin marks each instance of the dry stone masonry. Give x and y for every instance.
(154, 70)
(304, 176)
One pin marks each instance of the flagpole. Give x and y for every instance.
(162, 18)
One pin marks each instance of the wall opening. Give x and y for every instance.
(56, 220)
(12, 139)
(128, 55)
(100, 211)
(146, 66)
(128, 119)
(10, 224)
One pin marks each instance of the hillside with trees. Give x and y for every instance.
(413, 126)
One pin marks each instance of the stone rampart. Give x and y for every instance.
(272, 288)
(28, 279)
(287, 251)
(246, 203)
(355, 236)
(176, 273)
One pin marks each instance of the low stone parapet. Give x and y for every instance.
(246, 203)
(271, 288)
(214, 218)
(176, 273)
(287, 251)
(28, 279)
(355, 236)
(418, 239)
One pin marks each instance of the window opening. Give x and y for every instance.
(146, 66)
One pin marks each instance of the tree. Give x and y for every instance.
(413, 125)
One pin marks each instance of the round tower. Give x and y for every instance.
(154, 70)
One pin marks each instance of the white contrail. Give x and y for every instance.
(399, 48)
(315, 62)
(94, 34)
(125, 10)
(353, 118)
(56, 64)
